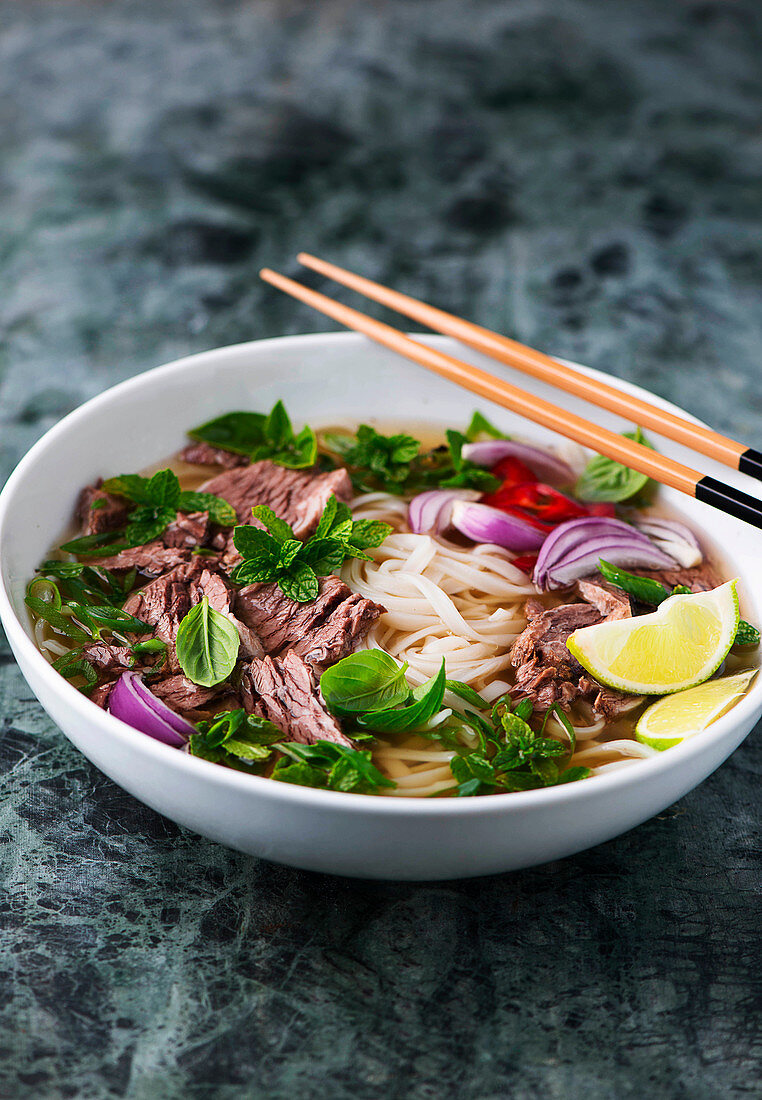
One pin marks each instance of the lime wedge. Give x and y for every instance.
(670, 720)
(680, 645)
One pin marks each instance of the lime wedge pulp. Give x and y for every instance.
(680, 645)
(670, 720)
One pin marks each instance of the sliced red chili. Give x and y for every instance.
(526, 563)
(537, 503)
(512, 471)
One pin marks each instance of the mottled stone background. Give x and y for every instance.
(585, 174)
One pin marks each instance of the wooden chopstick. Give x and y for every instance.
(659, 467)
(707, 442)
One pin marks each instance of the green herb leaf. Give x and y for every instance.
(746, 634)
(278, 528)
(71, 665)
(261, 437)
(107, 542)
(465, 474)
(481, 426)
(220, 512)
(643, 589)
(60, 622)
(148, 522)
(328, 765)
(467, 694)
(426, 702)
(300, 584)
(571, 775)
(369, 680)
(275, 555)
(239, 432)
(603, 479)
(207, 645)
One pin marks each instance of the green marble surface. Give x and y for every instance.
(584, 174)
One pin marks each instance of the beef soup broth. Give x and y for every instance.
(417, 597)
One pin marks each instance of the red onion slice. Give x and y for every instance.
(574, 533)
(430, 511)
(481, 523)
(132, 702)
(584, 559)
(675, 538)
(545, 465)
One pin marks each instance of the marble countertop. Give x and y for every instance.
(585, 175)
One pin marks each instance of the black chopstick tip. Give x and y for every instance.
(750, 463)
(729, 500)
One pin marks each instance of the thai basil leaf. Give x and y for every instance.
(467, 694)
(644, 589)
(571, 775)
(603, 479)
(426, 702)
(207, 645)
(367, 680)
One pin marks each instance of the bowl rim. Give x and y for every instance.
(317, 798)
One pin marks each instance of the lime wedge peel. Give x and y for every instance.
(677, 717)
(680, 645)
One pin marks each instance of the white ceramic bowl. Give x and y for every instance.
(324, 378)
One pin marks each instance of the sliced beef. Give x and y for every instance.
(152, 560)
(612, 602)
(321, 631)
(182, 695)
(105, 658)
(187, 531)
(607, 701)
(203, 454)
(297, 496)
(99, 695)
(284, 690)
(99, 511)
(699, 578)
(546, 672)
(165, 602)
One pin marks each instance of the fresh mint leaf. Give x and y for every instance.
(323, 555)
(239, 432)
(148, 522)
(278, 528)
(275, 555)
(300, 584)
(220, 512)
(207, 645)
(466, 475)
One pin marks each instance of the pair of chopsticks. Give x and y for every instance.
(662, 469)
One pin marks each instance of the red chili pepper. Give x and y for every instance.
(512, 471)
(538, 504)
(526, 563)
